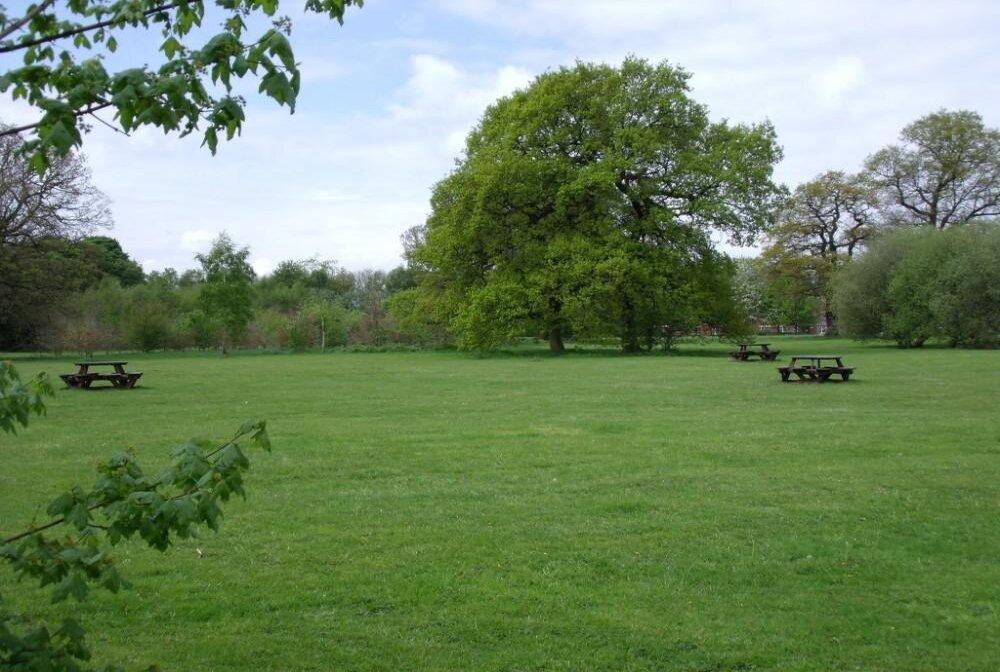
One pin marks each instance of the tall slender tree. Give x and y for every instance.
(227, 294)
(819, 228)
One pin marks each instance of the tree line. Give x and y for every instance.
(587, 205)
(221, 304)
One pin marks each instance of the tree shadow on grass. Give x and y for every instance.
(852, 382)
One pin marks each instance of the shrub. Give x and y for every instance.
(373, 327)
(267, 330)
(82, 333)
(916, 284)
(147, 326)
(966, 298)
(414, 313)
(203, 329)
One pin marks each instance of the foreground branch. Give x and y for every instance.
(14, 27)
(78, 113)
(101, 504)
(18, 46)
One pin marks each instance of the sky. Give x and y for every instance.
(388, 98)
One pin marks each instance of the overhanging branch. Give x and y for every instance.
(28, 127)
(83, 29)
(14, 27)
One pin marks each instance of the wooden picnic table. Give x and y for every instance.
(84, 377)
(746, 352)
(811, 368)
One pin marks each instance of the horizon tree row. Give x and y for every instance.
(584, 206)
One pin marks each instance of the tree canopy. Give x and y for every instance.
(112, 261)
(586, 202)
(829, 217)
(945, 171)
(43, 219)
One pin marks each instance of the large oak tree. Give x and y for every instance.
(586, 202)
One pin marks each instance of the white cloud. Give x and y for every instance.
(433, 85)
(448, 100)
(197, 240)
(838, 79)
(439, 89)
(312, 184)
(585, 18)
(16, 113)
(455, 143)
(328, 196)
(262, 265)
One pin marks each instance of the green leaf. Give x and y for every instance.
(240, 66)
(171, 46)
(78, 516)
(61, 504)
(39, 161)
(248, 426)
(60, 137)
(211, 139)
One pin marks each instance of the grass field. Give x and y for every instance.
(437, 511)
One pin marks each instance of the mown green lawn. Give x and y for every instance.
(437, 511)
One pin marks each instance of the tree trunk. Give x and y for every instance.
(556, 345)
(650, 338)
(630, 336)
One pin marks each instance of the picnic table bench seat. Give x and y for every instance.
(822, 373)
(811, 368)
(746, 352)
(85, 380)
(84, 377)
